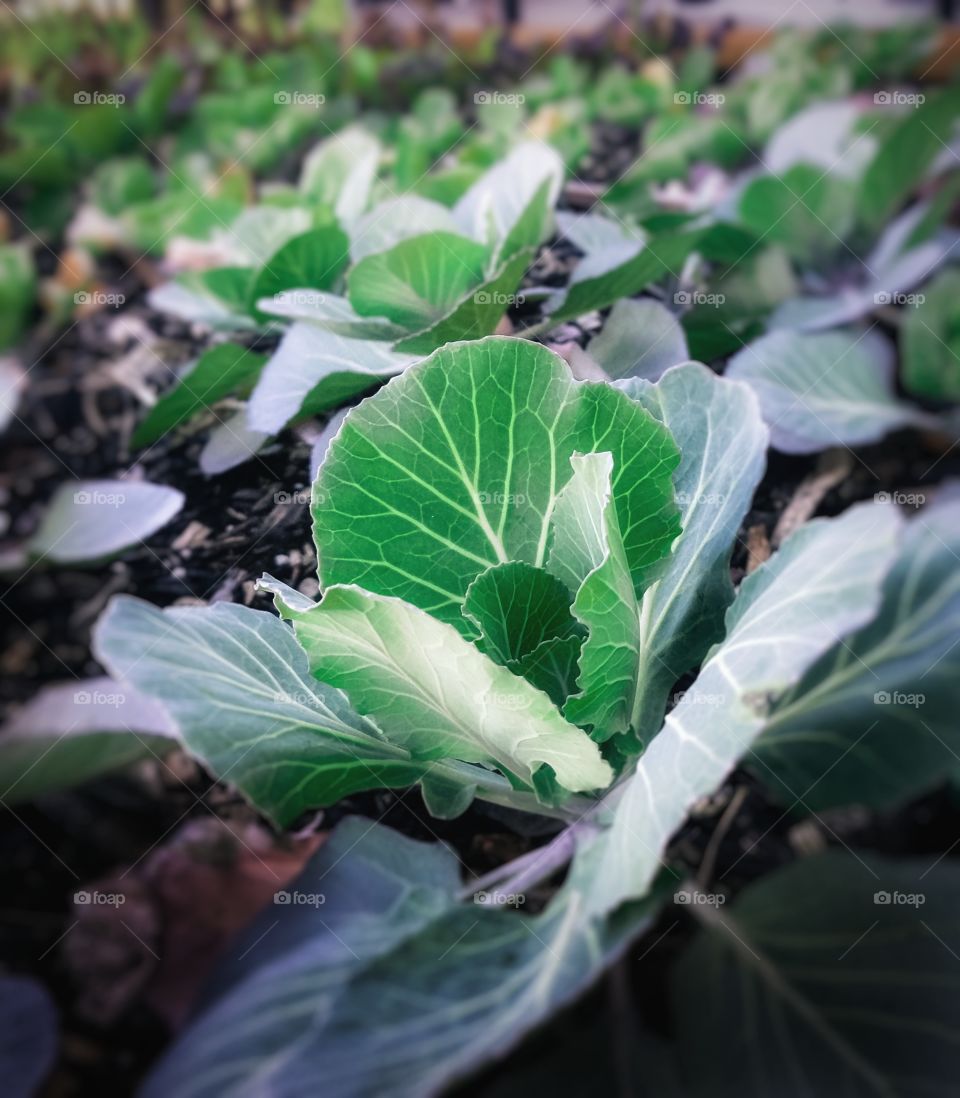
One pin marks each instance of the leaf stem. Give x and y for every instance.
(537, 329)
(495, 789)
(529, 869)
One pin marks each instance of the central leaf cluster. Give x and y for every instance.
(485, 526)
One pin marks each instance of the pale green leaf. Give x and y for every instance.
(823, 389)
(260, 231)
(397, 219)
(823, 584)
(516, 607)
(417, 281)
(194, 302)
(896, 265)
(88, 520)
(328, 311)
(806, 210)
(377, 889)
(231, 443)
(434, 694)
(606, 276)
(824, 135)
(72, 732)
(904, 157)
(639, 339)
(312, 371)
(339, 172)
(592, 232)
(930, 340)
(237, 684)
(874, 720)
(12, 379)
(587, 554)
(221, 371)
(477, 313)
(332, 999)
(717, 425)
(314, 259)
(502, 209)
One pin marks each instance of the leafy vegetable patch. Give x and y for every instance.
(485, 560)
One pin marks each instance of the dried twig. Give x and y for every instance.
(833, 467)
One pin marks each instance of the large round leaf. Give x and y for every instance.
(419, 280)
(456, 465)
